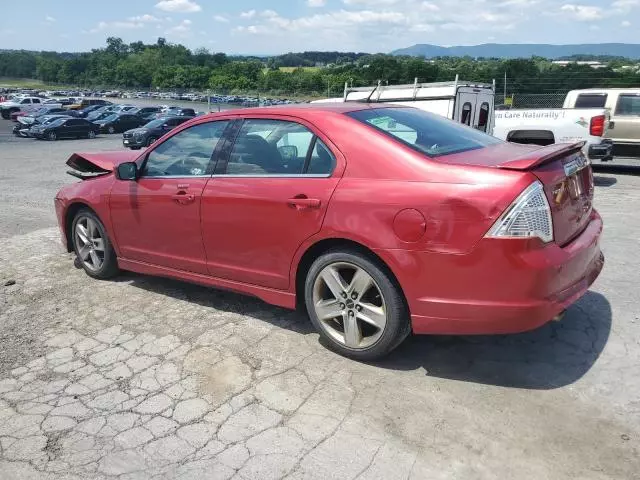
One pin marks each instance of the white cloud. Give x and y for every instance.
(182, 30)
(49, 19)
(221, 18)
(182, 6)
(316, 3)
(371, 3)
(249, 14)
(118, 25)
(583, 13)
(146, 18)
(625, 23)
(625, 4)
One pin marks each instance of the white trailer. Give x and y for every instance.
(465, 102)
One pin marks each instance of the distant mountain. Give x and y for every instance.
(522, 50)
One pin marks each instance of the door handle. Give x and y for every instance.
(303, 203)
(183, 198)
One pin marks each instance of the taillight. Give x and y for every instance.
(529, 216)
(596, 128)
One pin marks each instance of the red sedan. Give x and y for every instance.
(380, 220)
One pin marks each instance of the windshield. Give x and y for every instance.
(155, 123)
(423, 131)
(110, 118)
(56, 122)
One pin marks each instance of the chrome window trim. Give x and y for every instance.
(162, 177)
(275, 175)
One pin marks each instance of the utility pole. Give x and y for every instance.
(505, 89)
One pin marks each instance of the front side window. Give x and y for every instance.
(270, 147)
(425, 132)
(628, 105)
(185, 154)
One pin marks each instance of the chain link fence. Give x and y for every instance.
(537, 100)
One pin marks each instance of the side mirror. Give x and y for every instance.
(288, 152)
(127, 171)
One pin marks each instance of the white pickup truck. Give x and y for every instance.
(545, 126)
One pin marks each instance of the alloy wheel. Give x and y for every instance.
(90, 243)
(112, 130)
(52, 136)
(92, 134)
(349, 305)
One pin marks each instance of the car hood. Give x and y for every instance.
(100, 162)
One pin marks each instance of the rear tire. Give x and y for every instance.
(92, 246)
(362, 314)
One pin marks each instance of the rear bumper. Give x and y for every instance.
(502, 286)
(601, 151)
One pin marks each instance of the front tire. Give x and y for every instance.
(52, 136)
(92, 246)
(111, 130)
(92, 134)
(151, 141)
(355, 305)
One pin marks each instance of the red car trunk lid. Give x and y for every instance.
(564, 171)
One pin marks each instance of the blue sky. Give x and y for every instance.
(279, 26)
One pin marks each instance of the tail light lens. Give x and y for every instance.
(529, 216)
(596, 128)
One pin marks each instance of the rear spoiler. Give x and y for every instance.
(540, 156)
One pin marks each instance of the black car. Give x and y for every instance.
(23, 128)
(82, 113)
(146, 113)
(65, 128)
(119, 122)
(152, 131)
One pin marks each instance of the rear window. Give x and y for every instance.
(423, 131)
(591, 100)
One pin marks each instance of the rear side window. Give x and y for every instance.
(628, 105)
(465, 119)
(591, 100)
(425, 132)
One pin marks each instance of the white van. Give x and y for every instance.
(465, 102)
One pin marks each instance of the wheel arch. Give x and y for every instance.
(329, 244)
(69, 215)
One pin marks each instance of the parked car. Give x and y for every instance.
(146, 113)
(177, 112)
(100, 113)
(152, 131)
(118, 122)
(21, 129)
(381, 220)
(65, 128)
(623, 126)
(30, 116)
(546, 126)
(87, 102)
(17, 104)
(83, 112)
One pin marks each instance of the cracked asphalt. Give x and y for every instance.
(148, 378)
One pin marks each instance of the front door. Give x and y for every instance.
(465, 107)
(269, 197)
(156, 219)
(625, 126)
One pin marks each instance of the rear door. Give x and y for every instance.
(625, 124)
(269, 194)
(465, 109)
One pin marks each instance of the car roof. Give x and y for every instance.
(307, 109)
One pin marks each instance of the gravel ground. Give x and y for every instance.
(146, 378)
